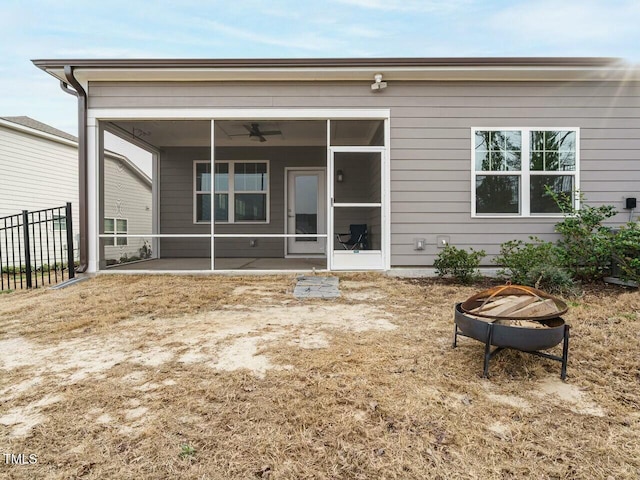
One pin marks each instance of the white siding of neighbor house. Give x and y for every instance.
(127, 196)
(431, 142)
(35, 174)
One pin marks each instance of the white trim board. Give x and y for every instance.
(193, 113)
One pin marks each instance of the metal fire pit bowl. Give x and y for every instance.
(528, 340)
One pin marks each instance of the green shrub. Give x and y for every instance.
(550, 278)
(585, 245)
(460, 264)
(518, 258)
(626, 251)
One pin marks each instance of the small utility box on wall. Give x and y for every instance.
(442, 241)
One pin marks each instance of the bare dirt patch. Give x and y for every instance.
(230, 377)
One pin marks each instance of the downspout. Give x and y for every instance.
(82, 161)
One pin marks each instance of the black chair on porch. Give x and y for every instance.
(356, 239)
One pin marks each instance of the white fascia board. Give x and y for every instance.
(194, 113)
(37, 133)
(481, 73)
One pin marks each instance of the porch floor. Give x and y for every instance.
(248, 263)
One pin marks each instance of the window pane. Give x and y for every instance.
(122, 242)
(108, 242)
(59, 223)
(567, 161)
(121, 226)
(482, 161)
(250, 207)
(482, 140)
(553, 150)
(203, 207)
(498, 151)
(537, 141)
(306, 206)
(109, 225)
(541, 200)
(497, 194)
(222, 177)
(512, 160)
(560, 141)
(537, 161)
(513, 140)
(222, 207)
(203, 177)
(551, 161)
(510, 140)
(250, 177)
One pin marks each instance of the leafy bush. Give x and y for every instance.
(550, 278)
(460, 264)
(585, 246)
(626, 251)
(518, 258)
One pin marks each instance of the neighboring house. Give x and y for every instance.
(39, 170)
(424, 152)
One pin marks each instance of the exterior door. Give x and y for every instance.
(306, 211)
(358, 239)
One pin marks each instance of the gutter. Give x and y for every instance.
(82, 161)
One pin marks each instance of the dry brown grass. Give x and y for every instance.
(368, 403)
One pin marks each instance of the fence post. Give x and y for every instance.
(71, 262)
(27, 246)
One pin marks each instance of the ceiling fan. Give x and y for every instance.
(255, 133)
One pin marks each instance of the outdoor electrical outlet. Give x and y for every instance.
(419, 243)
(253, 242)
(442, 241)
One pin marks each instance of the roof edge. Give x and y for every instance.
(559, 62)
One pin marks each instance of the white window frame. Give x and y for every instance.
(231, 193)
(525, 173)
(118, 236)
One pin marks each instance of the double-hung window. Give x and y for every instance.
(241, 192)
(119, 226)
(515, 171)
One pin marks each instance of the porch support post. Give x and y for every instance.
(329, 188)
(213, 191)
(94, 147)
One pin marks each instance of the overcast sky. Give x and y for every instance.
(299, 28)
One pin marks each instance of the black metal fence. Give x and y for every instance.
(36, 248)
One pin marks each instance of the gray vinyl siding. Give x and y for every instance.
(430, 142)
(177, 200)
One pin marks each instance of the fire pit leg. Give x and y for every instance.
(455, 335)
(565, 353)
(487, 350)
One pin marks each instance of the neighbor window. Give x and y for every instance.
(241, 192)
(119, 226)
(59, 223)
(517, 171)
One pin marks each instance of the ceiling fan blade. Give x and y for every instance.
(262, 139)
(271, 132)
